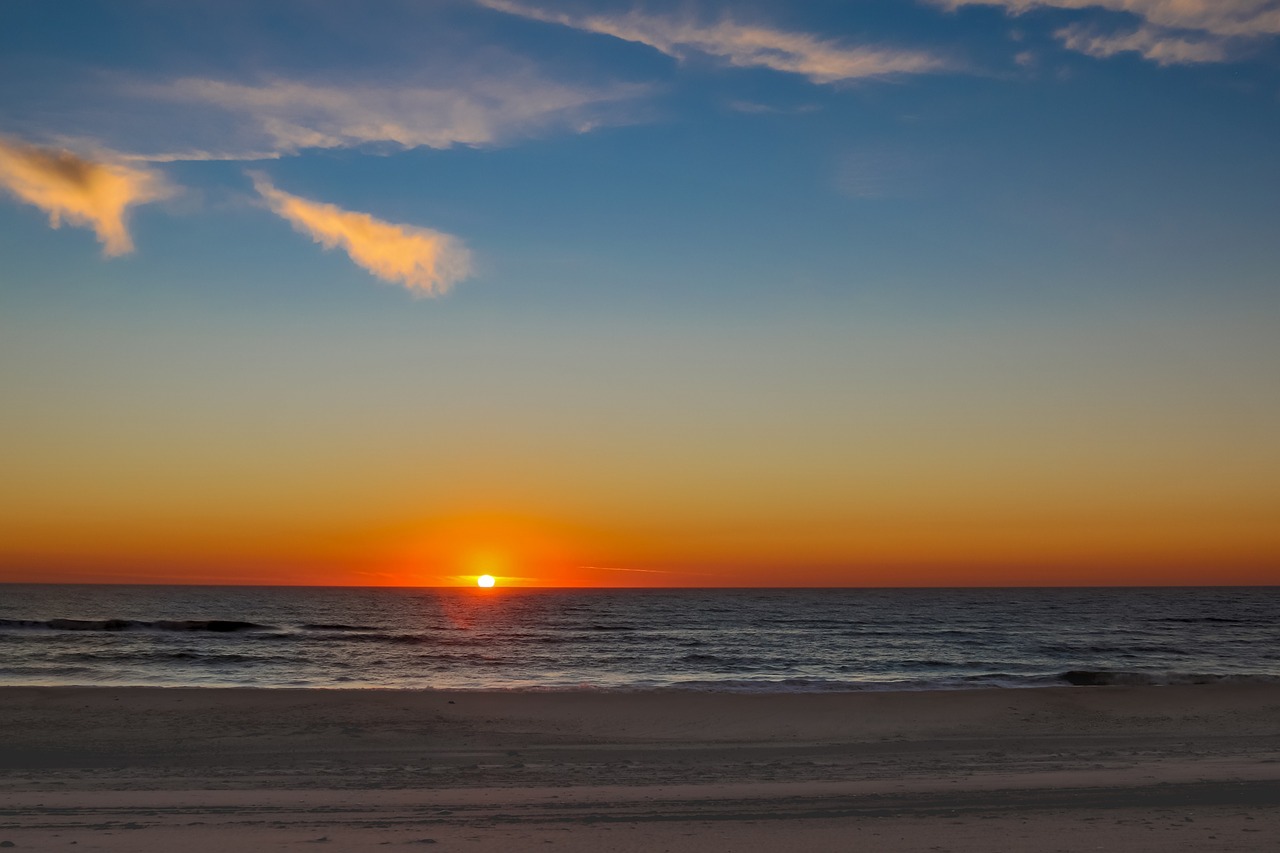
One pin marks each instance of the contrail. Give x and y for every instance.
(643, 571)
(615, 569)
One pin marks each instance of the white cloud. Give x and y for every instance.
(741, 45)
(96, 194)
(1169, 32)
(424, 261)
(286, 116)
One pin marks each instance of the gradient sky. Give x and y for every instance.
(948, 292)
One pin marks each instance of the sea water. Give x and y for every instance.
(802, 640)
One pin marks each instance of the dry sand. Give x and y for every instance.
(1061, 769)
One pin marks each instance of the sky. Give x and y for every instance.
(935, 293)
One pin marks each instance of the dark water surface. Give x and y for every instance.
(749, 640)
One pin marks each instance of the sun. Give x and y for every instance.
(485, 581)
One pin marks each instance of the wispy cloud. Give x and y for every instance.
(756, 108)
(96, 194)
(1221, 17)
(1152, 43)
(286, 116)
(426, 262)
(741, 45)
(195, 155)
(1169, 32)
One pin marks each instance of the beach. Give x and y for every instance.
(1041, 769)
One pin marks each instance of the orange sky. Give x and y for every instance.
(820, 552)
(762, 465)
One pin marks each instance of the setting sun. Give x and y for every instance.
(485, 581)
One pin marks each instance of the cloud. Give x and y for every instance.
(740, 45)
(1220, 17)
(1169, 32)
(1154, 44)
(93, 193)
(195, 155)
(286, 116)
(755, 108)
(426, 262)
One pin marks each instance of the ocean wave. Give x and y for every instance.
(436, 637)
(220, 626)
(185, 655)
(992, 681)
(1080, 649)
(1120, 678)
(1194, 620)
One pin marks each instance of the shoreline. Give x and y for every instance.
(161, 768)
(745, 687)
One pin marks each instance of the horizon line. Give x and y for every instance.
(498, 589)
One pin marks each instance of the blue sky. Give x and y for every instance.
(688, 262)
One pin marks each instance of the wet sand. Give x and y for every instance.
(1058, 769)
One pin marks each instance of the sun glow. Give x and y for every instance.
(485, 581)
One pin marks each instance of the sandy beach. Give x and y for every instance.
(138, 769)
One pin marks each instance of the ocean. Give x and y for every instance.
(796, 640)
